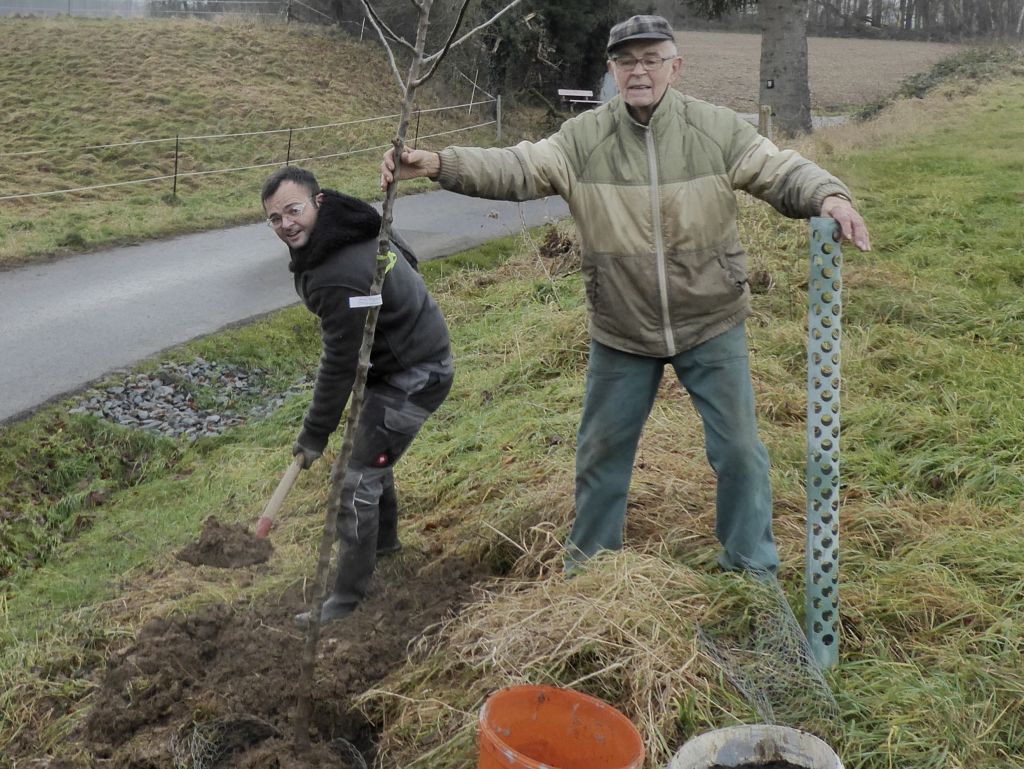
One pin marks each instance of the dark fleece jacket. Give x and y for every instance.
(333, 273)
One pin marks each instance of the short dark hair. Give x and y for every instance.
(290, 174)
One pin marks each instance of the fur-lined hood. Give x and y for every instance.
(341, 221)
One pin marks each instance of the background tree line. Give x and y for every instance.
(545, 44)
(935, 20)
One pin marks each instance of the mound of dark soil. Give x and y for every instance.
(228, 547)
(221, 683)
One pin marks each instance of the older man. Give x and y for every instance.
(649, 178)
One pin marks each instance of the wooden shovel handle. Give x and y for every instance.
(269, 515)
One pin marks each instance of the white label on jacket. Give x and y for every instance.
(354, 302)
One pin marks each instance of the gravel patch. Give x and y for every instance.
(195, 400)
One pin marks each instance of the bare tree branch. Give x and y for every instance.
(447, 45)
(387, 47)
(465, 37)
(379, 24)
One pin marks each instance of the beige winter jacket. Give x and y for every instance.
(656, 211)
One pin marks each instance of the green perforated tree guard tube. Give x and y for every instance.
(823, 325)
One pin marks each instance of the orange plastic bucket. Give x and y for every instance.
(530, 727)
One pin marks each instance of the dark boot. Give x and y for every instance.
(356, 560)
(333, 608)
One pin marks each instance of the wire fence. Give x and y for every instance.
(174, 158)
(86, 170)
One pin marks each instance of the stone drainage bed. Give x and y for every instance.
(192, 400)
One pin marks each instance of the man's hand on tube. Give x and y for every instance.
(851, 224)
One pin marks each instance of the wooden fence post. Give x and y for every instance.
(174, 190)
(497, 111)
(472, 95)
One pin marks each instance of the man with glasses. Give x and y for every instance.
(332, 240)
(649, 178)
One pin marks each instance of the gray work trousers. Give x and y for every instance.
(394, 410)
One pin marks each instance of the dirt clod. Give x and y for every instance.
(226, 546)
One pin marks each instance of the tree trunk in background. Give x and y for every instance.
(862, 11)
(784, 64)
(947, 17)
(876, 12)
(983, 17)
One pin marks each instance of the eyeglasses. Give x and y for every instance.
(650, 63)
(293, 212)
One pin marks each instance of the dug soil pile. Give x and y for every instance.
(218, 688)
(225, 546)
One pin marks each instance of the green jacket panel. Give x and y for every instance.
(656, 211)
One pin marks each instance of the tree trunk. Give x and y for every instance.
(908, 15)
(862, 12)
(307, 663)
(784, 84)
(924, 18)
(983, 18)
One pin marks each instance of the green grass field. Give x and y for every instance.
(931, 674)
(115, 101)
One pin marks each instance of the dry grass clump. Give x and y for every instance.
(706, 649)
(584, 633)
(522, 535)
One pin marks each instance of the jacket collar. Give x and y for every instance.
(658, 117)
(341, 221)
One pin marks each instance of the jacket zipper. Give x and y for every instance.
(659, 245)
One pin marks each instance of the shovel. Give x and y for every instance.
(269, 517)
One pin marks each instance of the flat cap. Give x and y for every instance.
(640, 28)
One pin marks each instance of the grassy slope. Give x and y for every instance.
(932, 570)
(73, 83)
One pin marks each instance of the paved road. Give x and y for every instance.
(67, 323)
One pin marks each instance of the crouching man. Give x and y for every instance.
(332, 241)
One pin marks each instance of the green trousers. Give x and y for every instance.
(620, 391)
